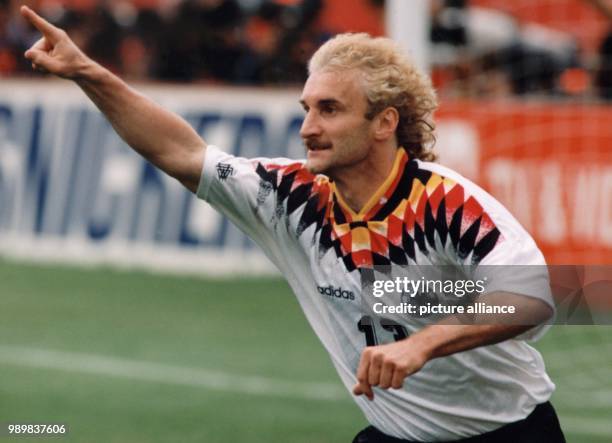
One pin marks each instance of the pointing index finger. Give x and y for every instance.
(47, 29)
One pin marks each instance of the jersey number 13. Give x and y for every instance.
(366, 325)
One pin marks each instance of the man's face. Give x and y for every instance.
(335, 131)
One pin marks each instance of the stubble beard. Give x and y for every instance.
(316, 167)
(342, 155)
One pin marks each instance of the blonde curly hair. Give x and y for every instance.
(391, 80)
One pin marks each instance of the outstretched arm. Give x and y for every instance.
(160, 136)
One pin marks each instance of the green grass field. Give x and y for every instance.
(133, 357)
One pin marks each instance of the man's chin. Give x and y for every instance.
(318, 162)
(316, 167)
(313, 169)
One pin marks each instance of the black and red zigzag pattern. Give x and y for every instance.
(420, 207)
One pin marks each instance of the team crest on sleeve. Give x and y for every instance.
(224, 171)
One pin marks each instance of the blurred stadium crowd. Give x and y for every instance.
(479, 48)
(227, 41)
(561, 48)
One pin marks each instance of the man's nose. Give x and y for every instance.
(310, 126)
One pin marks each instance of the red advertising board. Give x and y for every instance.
(550, 164)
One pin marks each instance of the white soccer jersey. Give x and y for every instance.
(422, 214)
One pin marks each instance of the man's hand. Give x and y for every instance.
(386, 366)
(54, 52)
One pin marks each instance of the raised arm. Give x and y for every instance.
(160, 136)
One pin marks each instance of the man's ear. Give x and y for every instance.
(386, 123)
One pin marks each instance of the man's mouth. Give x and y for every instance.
(317, 146)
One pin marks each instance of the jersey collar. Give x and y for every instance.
(380, 196)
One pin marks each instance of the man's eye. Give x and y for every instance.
(328, 110)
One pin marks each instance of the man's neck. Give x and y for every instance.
(357, 184)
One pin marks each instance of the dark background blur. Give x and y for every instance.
(250, 42)
(479, 47)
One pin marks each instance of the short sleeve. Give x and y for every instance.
(242, 190)
(516, 265)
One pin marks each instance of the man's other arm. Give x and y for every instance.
(387, 366)
(160, 136)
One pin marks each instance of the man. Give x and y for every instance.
(366, 197)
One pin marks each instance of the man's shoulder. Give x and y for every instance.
(445, 172)
(292, 173)
(476, 203)
(270, 169)
(451, 179)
